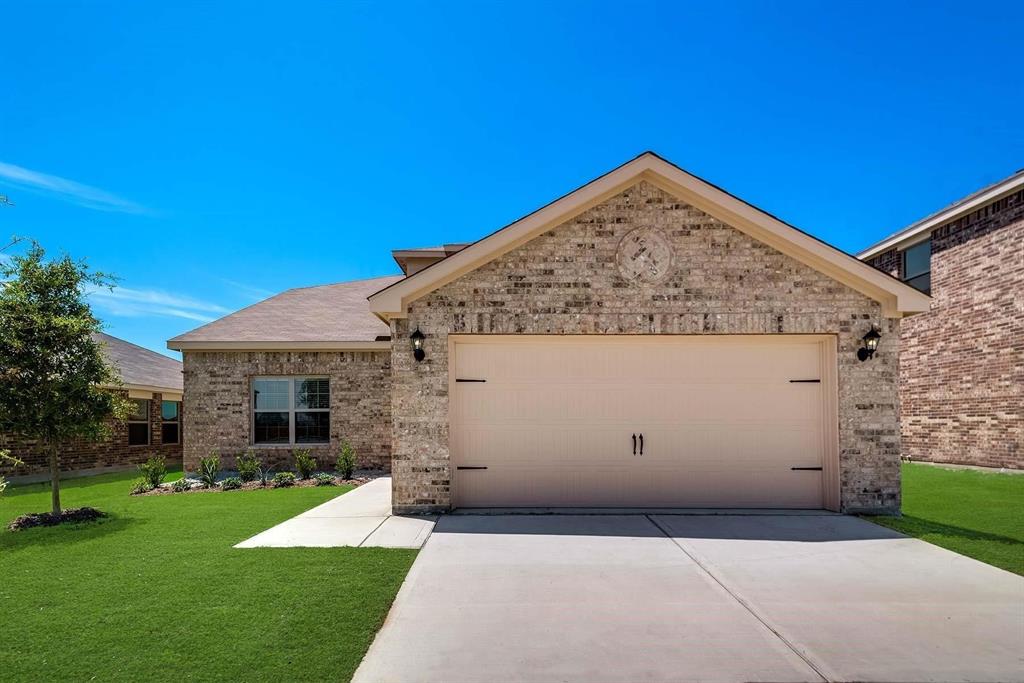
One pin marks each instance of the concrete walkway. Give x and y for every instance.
(360, 518)
(608, 598)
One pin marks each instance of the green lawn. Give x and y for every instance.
(978, 514)
(156, 592)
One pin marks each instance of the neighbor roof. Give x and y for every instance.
(324, 317)
(896, 297)
(973, 201)
(141, 368)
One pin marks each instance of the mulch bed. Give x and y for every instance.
(165, 489)
(70, 516)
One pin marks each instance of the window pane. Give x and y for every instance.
(138, 433)
(270, 428)
(169, 432)
(312, 393)
(140, 410)
(917, 259)
(312, 427)
(169, 411)
(270, 394)
(922, 283)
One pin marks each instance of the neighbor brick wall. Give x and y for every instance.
(218, 414)
(962, 362)
(81, 454)
(565, 281)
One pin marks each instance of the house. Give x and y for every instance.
(962, 361)
(154, 384)
(645, 340)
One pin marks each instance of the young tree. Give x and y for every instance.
(52, 371)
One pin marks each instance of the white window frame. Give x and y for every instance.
(291, 410)
(148, 422)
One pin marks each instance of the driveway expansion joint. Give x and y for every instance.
(817, 668)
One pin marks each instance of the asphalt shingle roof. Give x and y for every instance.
(140, 366)
(327, 313)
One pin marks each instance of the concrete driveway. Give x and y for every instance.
(695, 598)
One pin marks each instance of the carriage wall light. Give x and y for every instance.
(870, 341)
(417, 344)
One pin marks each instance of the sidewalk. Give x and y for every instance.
(360, 518)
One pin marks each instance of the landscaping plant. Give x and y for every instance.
(304, 463)
(283, 479)
(55, 376)
(323, 479)
(5, 456)
(208, 470)
(154, 471)
(248, 465)
(231, 483)
(181, 485)
(140, 486)
(346, 464)
(264, 474)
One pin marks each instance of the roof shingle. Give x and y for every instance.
(140, 366)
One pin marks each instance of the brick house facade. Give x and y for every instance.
(147, 376)
(962, 362)
(727, 271)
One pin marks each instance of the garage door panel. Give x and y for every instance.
(722, 423)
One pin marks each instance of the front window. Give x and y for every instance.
(917, 266)
(170, 425)
(138, 423)
(291, 410)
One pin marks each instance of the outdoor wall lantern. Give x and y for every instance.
(870, 341)
(417, 344)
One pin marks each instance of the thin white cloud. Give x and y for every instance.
(136, 303)
(249, 291)
(67, 190)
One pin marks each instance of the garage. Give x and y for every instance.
(697, 421)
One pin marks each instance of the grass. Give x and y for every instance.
(978, 514)
(156, 592)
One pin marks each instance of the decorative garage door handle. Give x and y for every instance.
(634, 444)
(641, 444)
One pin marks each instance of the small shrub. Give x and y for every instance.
(5, 456)
(154, 471)
(208, 470)
(231, 483)
(323, 479)
(3, 485)
(181, 485)
(264, 475)
(304, 463)
(248, 465)
(141, 486)
(346, 460)
(283, 479)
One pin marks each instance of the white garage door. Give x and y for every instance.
(635, 421)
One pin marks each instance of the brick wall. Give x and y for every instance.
(80, 454)
(218, 415)
(962, 363)
(566, 282)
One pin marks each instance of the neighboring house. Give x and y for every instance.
(962, 362)
(646, 340)
(154, 384)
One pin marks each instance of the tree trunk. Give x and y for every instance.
(54, 477)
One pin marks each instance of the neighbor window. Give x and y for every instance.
(917, 266)
(291, 410)
(138, 423)
(170, 422)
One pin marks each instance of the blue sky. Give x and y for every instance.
(211, 154)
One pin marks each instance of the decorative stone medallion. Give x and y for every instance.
(645, 256)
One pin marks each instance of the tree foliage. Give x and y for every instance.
(54, 375)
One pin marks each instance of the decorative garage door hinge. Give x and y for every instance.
(470, 467)
(809, 469)
(805, 381)
(470, 380)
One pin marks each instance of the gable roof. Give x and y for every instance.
(327, 317)
(971, 202)
(141, 368)
(896, 297)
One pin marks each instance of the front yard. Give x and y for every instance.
(156, 592)
(978, 514)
